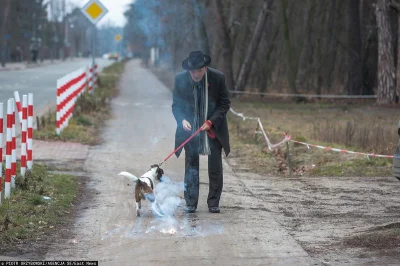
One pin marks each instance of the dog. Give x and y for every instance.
(144, 188)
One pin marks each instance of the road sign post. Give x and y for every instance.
(118, 39)
(94, 10)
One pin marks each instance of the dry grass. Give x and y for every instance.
(352, 125)
(357, 127)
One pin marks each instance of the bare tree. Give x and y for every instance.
(396, 5)
(3, 31)
(386, 70)
(289, 49)
(355, 78)
(224, 38)
(252, 48)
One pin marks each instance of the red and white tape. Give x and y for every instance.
(289, 138)
(342, 150)
(270, 145)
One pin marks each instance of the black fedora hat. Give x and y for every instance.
(196, 60)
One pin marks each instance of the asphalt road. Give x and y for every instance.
(41, 81)
(141, 133)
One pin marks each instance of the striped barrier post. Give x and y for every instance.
(90, 78)
(24, 133)
(30, 132)
(95, 75)
(69, 88)
(1, 150)
(7, 185)
(19, 108)
(13, 150)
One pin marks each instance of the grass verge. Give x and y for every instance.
(37, 204)
(43, 201)
(91, 110)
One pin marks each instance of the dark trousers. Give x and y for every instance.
(215, 174)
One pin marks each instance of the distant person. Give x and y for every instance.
(34, 51)
(201, 99)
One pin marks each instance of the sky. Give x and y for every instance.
(116, 9)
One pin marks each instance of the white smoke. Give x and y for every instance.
(168, 195)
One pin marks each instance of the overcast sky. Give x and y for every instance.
(116, 9)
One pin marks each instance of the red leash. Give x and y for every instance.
(180, 146)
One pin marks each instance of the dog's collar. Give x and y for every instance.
(151, 182)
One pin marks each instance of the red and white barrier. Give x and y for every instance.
(7, 185)
(89, 78)
(1, 149)
(69, 88)
(30, 132)
(24, 133)
(95, 75)
(13, 150)
(19, 108)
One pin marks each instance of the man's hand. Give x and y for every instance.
(206, 126)
(186, 125)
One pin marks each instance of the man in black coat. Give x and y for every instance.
(201, 99)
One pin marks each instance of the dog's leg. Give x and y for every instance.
(138, 200)
(138, 207)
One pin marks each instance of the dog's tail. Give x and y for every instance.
(130, 176)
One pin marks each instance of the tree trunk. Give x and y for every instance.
(227, 53)
(200, 28)
(3, 31)
(386, 71)
(289, 50)
(397, 7)
(354, 75)
(252, 49)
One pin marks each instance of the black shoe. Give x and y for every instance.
(214, 209)
(190, 209)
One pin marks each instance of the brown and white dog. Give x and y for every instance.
(144, 188)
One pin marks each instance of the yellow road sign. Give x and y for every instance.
(94, 10)
(118, 37)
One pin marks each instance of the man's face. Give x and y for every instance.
(198, 74)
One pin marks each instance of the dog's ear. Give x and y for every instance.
(160, 173)
(154, 165)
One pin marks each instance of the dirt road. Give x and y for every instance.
(140, 134)
(264, 220)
